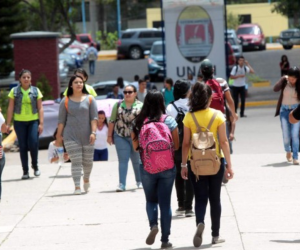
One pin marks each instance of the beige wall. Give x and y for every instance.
(271, 23)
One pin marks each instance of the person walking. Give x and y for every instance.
(284, 65)
(238, 87)
(289, 100)
(2, 154)
(119, 130)
(77, 125)
(120, 83)
(82, 73)
(142, 91)
(150, 85)
(157, 169)
(115, 94)
(167, 91)
(206, 187)
(177, 109)
(101, 151)
(25, 107)
(136, 82)
(92, 55)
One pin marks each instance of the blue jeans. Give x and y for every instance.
(100, 154)
(158, 189)
(228, 133)
(2, 163)
(125, 151)
(208, 188)
(92, 67)
(290, 132)
(28, 138)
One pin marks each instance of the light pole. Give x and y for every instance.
(119, 18)
(83, 16)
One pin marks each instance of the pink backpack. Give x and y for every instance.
(156, 146)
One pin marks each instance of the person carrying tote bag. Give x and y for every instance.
(206, 187)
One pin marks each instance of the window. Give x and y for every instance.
(84, 39)
(146, 34)
(245, 18)
(127, 35)
(157, 34)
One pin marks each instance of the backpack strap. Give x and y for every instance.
(212, 120)
(175, 107)
(197, 124)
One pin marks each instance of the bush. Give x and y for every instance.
(107, 40)
(44, 86)
(255, 78)
(274, 39)
(4, 101)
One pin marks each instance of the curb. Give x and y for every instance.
(261, 103)
(281, 48)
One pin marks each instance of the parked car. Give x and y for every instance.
(252, 36)
(156, 68)
(103, 88)
(134, 42)
(235, 42)
(70, 60)
(87, 39)
(289, 38)
(230, 57)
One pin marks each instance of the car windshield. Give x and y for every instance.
(157, 49)
(231, 41)
(248, 31)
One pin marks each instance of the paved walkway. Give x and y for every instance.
(260, 206)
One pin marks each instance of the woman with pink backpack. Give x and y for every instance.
(155, 136)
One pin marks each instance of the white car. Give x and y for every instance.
(234, 42)
(103, 88)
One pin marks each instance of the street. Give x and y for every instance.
(265, 64)
(260, 209)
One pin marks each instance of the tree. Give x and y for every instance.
(289, 8)
(11, 21)
(233, 21)
(53, 15)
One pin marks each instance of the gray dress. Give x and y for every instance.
(77, 120)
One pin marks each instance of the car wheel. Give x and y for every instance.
(135, 52)
(287, 46)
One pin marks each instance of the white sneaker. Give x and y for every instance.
(77, 192)
(120, 188)
(86, 186)
(139, 185)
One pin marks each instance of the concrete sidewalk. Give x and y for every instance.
(260, 207)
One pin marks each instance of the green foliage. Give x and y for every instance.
(255, 78)
(274, 39)
(45, 88)
(11, 21)
(3, 101)
(233, 21)
(288, 8)
(107, 40)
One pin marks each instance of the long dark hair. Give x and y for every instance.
(295, 72)
(83, 72)
(153, 108)
(284, 56)
(199, 97)
(101, 112)
(120, 82)
(70, 90)
(23, 71)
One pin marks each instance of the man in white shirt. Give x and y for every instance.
(142, 90)
(136, 82)
(238, 74)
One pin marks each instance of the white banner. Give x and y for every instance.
(194, 30)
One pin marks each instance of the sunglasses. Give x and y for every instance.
(128, 92)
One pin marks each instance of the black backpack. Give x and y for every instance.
(179, 118)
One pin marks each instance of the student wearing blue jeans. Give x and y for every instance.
(289, 98)
(157, 182)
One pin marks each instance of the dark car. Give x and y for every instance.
(156, 67)
(134, 42)
(251, 36)
(289, 38)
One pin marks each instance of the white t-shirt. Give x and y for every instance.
(101, 137)
(180, 103)
(241, 81)
(52, 151)
(2, 120)
(135, 84)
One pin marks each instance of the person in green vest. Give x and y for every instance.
(82, 73)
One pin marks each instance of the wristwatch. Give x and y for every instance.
(183, 165)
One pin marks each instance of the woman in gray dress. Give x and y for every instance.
(77, 124)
